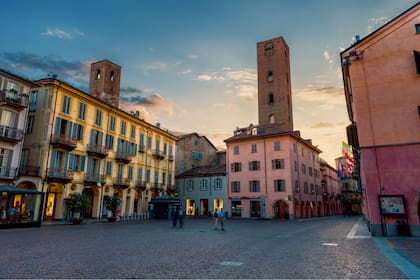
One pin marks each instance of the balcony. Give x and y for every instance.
(93, 179)
(123, 157)
(29, 170)
(11, 134)
(159, 154)
(121, 183)
(171, 157)
(64, 142)
(59, 175)
(14, 99)
(171, 188)
(157, 187)
(8, 173)
(141, 185)
(142, 149)
(97, 151)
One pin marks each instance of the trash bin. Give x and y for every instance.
(402, 228)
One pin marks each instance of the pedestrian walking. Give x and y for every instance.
(222, 218)
(215, 218)
(175, 216)
(181, 217)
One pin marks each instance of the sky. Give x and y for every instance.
(191, 65)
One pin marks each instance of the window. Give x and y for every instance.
(270, 98)
(271, 119)
(236, 150)
(297, 189)
(279, 185)
(98, 120)
(190, 185)
(294, 147)
(112, 124)
(197, 155)
(203, 185)
(296, 166)
(140, 174)
(77, 163)
(236, 167)
(277, 163)
(78, 131)
(108, 168)
(303, 168)
(32, 100)
(277, 146)
(268, 49)
(254, 165)
(417, 61)
(130, 172)
(305, 187)
(66, 105)
(123, 125)
(82, 111)
(418, 28)
(235, 186)
(98, 74)
(312, 189)
(254, 186)
(253, 148)
(30, 124)
(109, 142)
(310, 171)
(148, 175)
(133, 131)
(270, 76)
(112, 76)
(149, 142)
(218, 184)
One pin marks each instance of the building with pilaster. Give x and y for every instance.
(82, 142)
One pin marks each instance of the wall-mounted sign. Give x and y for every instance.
(392, 205)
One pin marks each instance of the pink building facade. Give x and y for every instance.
(272, 174)
(381, 76)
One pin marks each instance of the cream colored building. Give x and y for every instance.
(82, 142)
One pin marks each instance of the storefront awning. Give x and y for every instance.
(11, 189)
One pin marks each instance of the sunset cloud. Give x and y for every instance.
(62, 34)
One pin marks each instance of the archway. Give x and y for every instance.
(302, 210)
(27, 185)
(320, 209)
(90, 195)
(281, 210)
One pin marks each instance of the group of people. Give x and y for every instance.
(177, 214)
(219, 216)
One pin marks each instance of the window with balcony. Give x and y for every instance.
(130, 172)
(108, 168)
(140, 174)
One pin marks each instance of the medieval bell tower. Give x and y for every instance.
(274, 88)
(104, 81)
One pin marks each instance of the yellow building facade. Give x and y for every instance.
(78, 142)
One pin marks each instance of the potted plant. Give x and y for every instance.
(78, 203)
(112, 205)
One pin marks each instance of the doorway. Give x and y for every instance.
(88, 210)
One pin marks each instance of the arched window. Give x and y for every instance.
(271, 118)
(112, 76)
(270, 98)
(268, 50)
(270, 77)
(98, 74)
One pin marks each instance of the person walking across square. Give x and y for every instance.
(222, 218)
(215, 218)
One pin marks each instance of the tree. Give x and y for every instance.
(112, 205)
(78, 203)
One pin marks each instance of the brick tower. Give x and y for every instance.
(104, 81)
(274, 89)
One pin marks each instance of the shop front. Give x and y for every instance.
(20, 207)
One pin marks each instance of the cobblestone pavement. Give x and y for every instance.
(310, 248)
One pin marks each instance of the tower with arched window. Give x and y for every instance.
(105, 81)
(274, 89)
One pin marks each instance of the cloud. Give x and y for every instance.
(375, 23)
(327, 96)
(192, 56)
(327, 57)
(62, 34)
(36, 66)
(240, 83)
(154, 66)
(322, 125)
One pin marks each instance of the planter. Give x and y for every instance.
(112, 219)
